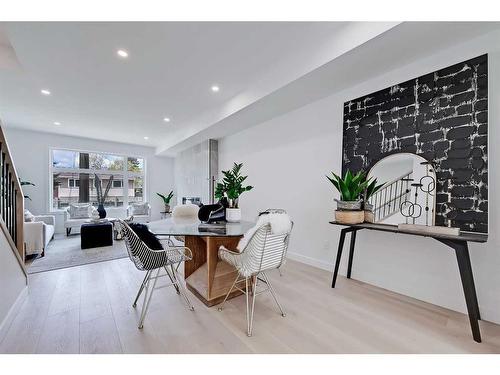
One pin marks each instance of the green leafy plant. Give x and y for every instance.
(166, 198)
(26, 183)
(354, 187)
(351, 186)
(231, 186)
(372, 188)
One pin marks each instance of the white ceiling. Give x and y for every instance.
(263, 69)
(169, 72)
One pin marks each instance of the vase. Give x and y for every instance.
(102, 211)
(233, 215)
(369, 213)
(349, 216)
(167, 208)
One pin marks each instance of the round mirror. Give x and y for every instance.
(408, 191)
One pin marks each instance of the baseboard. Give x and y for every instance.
(310, 261)
(5, 325)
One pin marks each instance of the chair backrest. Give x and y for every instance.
(264, 251)
(185, 211)
(139, 253)
(79, 211)
(139, 209)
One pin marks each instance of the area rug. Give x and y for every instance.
(63, 252)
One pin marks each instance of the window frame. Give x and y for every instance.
(124, 174)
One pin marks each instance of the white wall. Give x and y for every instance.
(287, 159)
(30, 152)
(12, 281)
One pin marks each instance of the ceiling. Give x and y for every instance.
(262, 68)
(169, 73)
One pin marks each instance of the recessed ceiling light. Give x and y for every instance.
(215, 88)
(122, 53)
(57, 123)
(45, 92)
(166, 119)
(146, 138)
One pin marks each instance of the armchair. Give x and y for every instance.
(141, 212)
(38, 233)
(77, 214)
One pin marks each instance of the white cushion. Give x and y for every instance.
(80, 211)
(140, 208)
(185, 211)
(28, 216)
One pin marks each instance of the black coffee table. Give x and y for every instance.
(96, 235)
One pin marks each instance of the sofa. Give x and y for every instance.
(140, 212)
(77, 214)
(38, 232)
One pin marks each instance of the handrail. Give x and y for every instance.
(385, 201)
(11, 202)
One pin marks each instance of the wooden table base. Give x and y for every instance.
(206, 276)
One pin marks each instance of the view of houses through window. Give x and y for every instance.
(73, 178)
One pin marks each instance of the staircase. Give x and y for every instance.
(11, 202)
(387, 201)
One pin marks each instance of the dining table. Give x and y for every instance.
(207, 277)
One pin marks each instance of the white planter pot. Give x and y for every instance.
(233, 215)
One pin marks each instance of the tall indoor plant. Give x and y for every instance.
(101, 198)
(231, 187)
(166, 199)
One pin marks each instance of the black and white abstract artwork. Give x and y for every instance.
(441, 116)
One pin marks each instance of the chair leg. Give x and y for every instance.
(247, 297)
(252, 309)
(147, 299)
(228, 293)
(182, 289)
(141, 288)
(271, 289)
(172, 280)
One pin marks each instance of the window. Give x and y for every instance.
(73, 178)
(73, 182)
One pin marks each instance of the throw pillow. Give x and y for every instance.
(140, 208)
(28, 216)
(146, 236)
(79, 211)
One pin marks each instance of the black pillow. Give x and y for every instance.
(146, 236)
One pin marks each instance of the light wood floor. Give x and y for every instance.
(88, 309)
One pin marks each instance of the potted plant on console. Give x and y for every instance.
(351, 188)
(371, 188)
(230, 189)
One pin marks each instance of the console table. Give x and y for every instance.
(458, 243)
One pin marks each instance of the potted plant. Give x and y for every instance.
(370, 190)
(231, 188)
(350, 188)
(166, 200)
(101, 198)
(26, 183)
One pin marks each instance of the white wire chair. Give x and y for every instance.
(149, 260)
(264, 251)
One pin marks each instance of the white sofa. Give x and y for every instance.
(141, 212)
(75, 222)
(38, 233)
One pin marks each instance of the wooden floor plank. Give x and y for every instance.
(88, 309)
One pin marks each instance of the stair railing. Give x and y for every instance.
(387, 201)
(11, 202)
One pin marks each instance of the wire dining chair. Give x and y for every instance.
(264, 251)
(152, 262)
